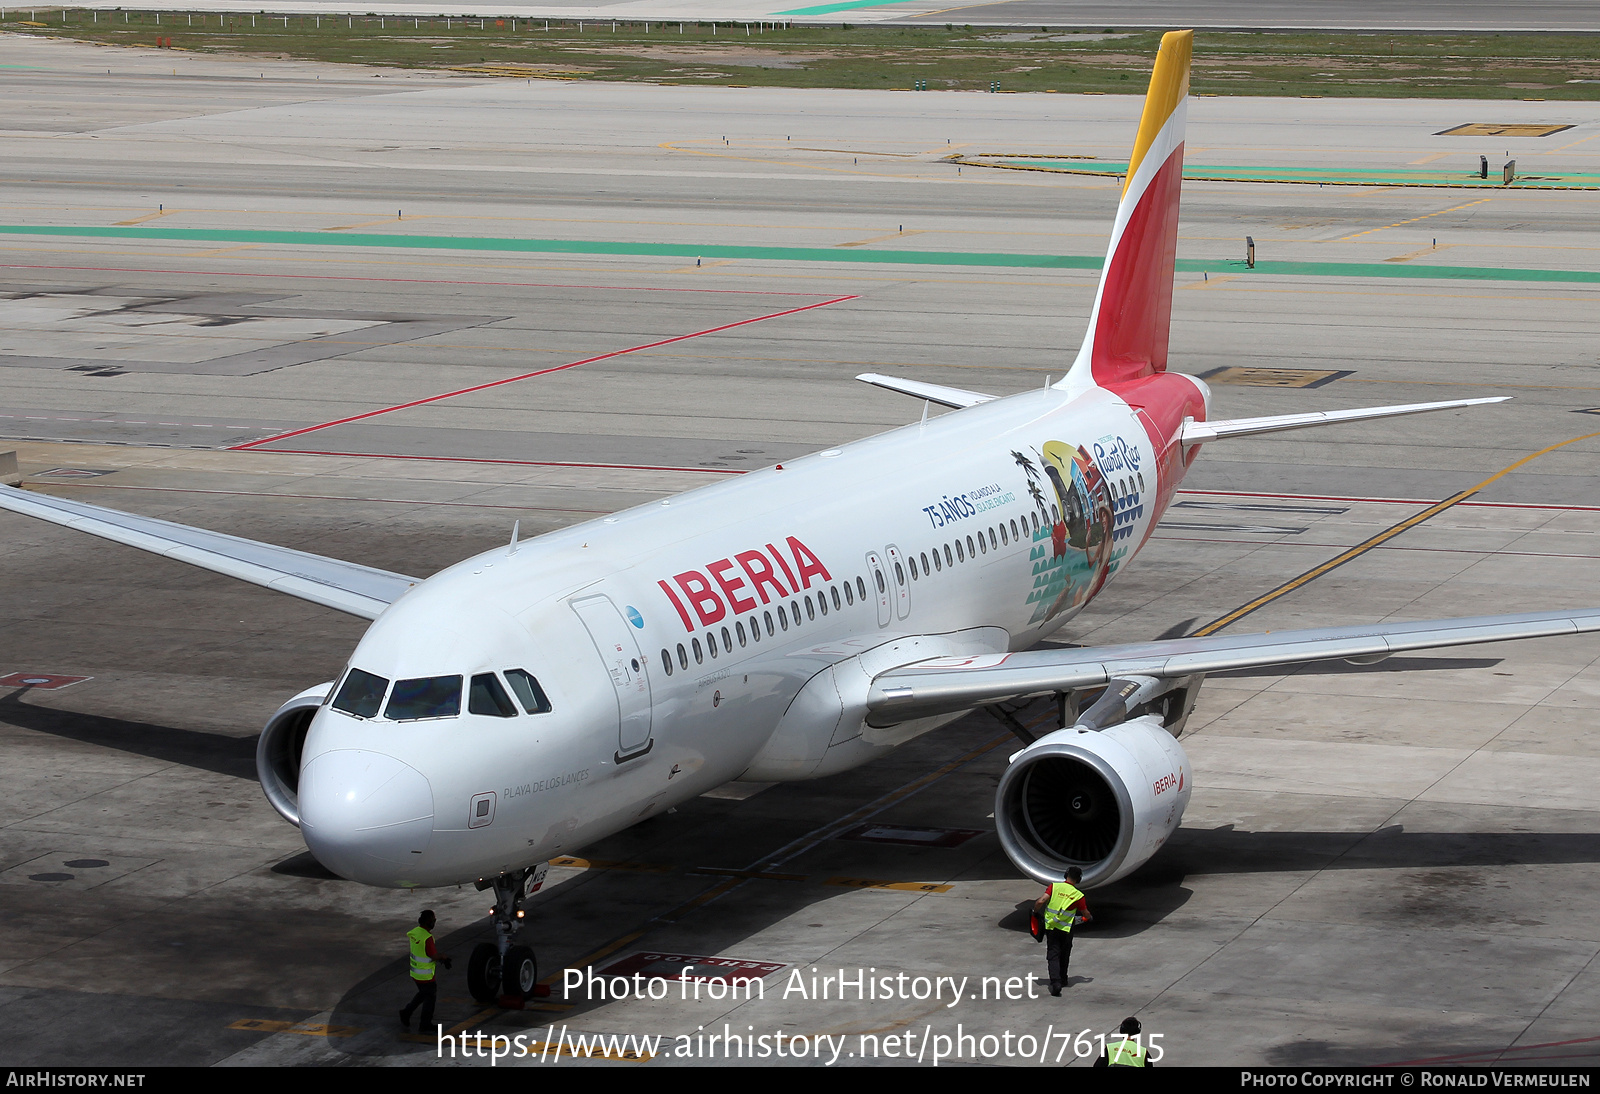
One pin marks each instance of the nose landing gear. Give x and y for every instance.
(498, 969)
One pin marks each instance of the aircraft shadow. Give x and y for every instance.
(214, 752)
(1124, 909)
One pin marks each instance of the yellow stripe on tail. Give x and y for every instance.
(1169, 86)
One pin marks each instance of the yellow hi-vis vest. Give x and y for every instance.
(1129, 1053)
(1056, 915)
(421, 963)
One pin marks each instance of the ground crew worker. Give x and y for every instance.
(1127, 1050)
(423, 958)
(1064, 906)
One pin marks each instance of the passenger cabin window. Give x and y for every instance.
(739, 627)
(361, 695)
(666, 660)
(424, 697)
(959, 556)
(849, 594)
(486, 696)
(835, 591)
(948, 561)
(861, 588)
(711, 642)
(530, 694)
(683, 656)
(755, 628)
(699, 654)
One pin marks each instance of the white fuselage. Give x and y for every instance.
(670, 660)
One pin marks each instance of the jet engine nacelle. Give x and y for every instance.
(1104, 801)
(278, 751)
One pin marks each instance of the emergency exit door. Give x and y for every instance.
(880, 588)
(629, 671)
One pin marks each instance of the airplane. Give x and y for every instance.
(794, 623)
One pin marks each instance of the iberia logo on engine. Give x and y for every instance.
(735, 583)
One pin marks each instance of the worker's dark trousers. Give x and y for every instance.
(427, 995)
(1057, 953)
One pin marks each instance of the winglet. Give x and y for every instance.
(1128, 329)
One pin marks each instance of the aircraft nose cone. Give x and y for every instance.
(365, 816)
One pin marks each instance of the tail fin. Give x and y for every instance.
(1128, 329)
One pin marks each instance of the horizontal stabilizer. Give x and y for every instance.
(934, 393)
(345, 586)
(948, 684)
(1200, 432)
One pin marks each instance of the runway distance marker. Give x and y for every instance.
(40, 681)
(910, 836)
(1245, 376)
(267, 1025)
(702, 967)
(762, 875)
(1493, 129)
(901, 886)
(608, 864)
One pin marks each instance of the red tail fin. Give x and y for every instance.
(1128, 330)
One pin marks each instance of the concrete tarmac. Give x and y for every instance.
(503, 285)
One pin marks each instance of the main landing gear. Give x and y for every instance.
(498, 969)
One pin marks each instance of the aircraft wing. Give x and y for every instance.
(345, 586)
(947, 684)
(934, 393)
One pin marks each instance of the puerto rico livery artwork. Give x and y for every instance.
(794, 622)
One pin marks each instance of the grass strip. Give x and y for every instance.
(951, 57)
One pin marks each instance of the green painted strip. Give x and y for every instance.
(787, 254)
(849, 5)
(564, 246)
(1389, 269)
(1365, 176)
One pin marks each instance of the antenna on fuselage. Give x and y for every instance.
(516, 526)
(924, 414)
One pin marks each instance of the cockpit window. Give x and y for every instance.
(531, 695)
(486, 696)
(426, 697)
(361, 694)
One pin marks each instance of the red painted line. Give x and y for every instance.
(332, 497)
(513, 463)
(1266, 542)
(540, 372)
(1395, 501)
(411, 280)
(1496, 1052)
